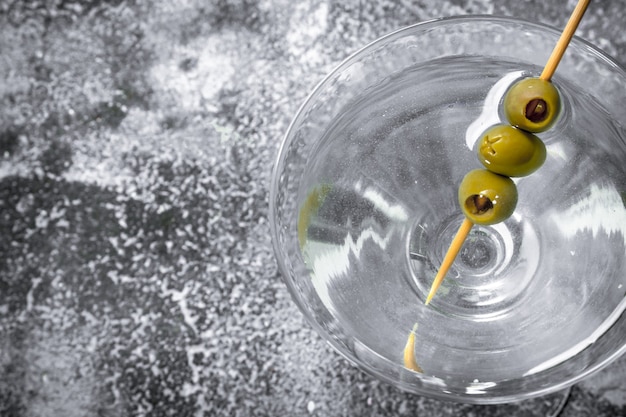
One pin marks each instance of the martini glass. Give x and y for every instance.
(364, 205)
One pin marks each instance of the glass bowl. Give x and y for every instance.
(363, 206)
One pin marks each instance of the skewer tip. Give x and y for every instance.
(448, 259)
(430, 296)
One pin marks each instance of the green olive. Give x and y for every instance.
(532, 104)
(509, 151)
(487, 198)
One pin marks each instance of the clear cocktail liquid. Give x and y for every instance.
(523, 295)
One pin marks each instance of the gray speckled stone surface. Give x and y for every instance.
(136, 271)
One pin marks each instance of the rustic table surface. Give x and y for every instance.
(137, 276)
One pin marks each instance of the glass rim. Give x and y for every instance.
(424, 24)
(284, 271)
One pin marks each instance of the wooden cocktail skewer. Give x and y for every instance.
(564, 40)
(409, 352)
(548, 71)
(451, 254)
